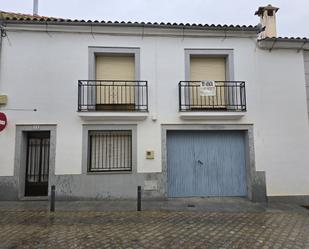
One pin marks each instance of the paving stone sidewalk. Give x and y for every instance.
(27, 228)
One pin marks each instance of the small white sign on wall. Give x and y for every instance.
(150, 185)
(208, 88)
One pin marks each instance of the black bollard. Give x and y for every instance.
(52, 198)
(139, 198)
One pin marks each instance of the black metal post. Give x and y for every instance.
(139, 198)
(52, 198)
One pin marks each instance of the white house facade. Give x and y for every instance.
(98, 108)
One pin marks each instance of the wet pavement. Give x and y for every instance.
(182, 223)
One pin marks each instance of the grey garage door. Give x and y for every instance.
(206, 163)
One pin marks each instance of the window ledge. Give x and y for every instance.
(113, 115)
(211, 115)
(110, 173)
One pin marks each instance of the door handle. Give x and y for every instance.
(200, 162)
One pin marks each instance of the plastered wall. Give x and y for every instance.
(40, 70)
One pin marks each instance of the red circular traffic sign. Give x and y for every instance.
(3, 121)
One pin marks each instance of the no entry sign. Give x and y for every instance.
(3, 121)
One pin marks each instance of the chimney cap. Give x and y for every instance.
(261, 10)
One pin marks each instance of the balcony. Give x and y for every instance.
(227, 100)
(112, 99)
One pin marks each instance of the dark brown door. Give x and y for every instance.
(38, 145)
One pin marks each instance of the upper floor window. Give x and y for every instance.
(115, 67)
(209, 83)
(115, 75)
(208, 68)
(113, 83)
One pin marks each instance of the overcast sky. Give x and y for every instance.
(292, 18)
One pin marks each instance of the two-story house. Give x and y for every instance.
(97, 108)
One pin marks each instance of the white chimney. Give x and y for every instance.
(35, 7)
(267, 16)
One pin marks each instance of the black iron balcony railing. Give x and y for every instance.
(227, 96)
(112, 95)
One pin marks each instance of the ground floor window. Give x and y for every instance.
(110, 151)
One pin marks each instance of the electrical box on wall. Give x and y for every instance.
(3, 99)
(149, 154)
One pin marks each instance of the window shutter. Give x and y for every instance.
(115, 67)
(207, 68)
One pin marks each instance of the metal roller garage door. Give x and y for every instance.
(206, 163)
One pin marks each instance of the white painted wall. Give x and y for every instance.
(281, 125)
(40, 70)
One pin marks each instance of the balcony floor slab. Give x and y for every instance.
(136, 116)
(211, 115)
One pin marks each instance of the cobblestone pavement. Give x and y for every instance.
(153, 229)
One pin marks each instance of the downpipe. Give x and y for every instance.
(2, 34)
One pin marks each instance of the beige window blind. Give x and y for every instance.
(207, 68)
(115, 68)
